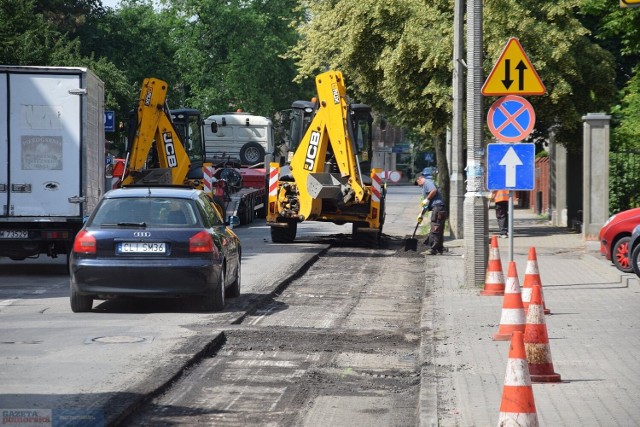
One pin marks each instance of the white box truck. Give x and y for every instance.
(52, 157)
(240, 136)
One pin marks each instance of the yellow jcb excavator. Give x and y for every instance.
(324, 180)
(157, 151)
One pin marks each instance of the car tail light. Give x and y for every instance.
(201, 243)
(84, 243)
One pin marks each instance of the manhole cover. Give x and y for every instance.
(118, 339)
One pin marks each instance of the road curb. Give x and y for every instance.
(428, 396)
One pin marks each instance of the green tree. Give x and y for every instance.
(231, 54)
(27, 37)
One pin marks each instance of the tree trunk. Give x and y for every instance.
(440, 144)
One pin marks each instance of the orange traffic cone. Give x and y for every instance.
(518, 407)
(531, 278)
(536, 342)
(512, 318)
(494, 279)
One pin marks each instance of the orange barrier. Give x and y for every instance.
(531, 278)
(517, 407)
(536, 342)
(512, 318)
(494, 279)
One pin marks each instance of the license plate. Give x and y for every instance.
(141, 248)
(14, 234)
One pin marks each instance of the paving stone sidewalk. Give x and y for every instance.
(592, 328)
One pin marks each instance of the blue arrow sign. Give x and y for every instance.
(511, 166)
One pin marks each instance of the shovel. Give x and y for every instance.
(411, 244)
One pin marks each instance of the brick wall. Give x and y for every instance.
(539, 197)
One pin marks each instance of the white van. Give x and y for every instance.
(240, 136)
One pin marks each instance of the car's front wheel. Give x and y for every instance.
(80, 303)
(214, 301)
(620, 255)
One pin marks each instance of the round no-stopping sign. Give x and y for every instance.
(511, 118)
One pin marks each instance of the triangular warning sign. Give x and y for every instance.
(513, 74)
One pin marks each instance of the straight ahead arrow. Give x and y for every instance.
(510, 160)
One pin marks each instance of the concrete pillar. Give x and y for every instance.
(558, 196)
(595, 196)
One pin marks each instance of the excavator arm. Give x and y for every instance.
(155, 136)
(328, 139)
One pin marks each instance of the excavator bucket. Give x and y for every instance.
(323, 186)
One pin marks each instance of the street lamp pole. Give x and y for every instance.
(476, 222)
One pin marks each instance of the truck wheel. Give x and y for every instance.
(252, 153)
(252, 212)
(620, 255)
(284, 234)
(233, 291)
(214, 301)
(80, 303)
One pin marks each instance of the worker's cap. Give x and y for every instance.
(421, 175)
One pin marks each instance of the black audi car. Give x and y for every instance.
(152, 242)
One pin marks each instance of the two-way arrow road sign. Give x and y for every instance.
(513, 74)
(510, 166)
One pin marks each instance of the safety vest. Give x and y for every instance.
(501, 196)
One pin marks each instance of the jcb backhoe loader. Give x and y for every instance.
(157, 151)
(329, 177)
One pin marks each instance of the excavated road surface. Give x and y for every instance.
(339, 346)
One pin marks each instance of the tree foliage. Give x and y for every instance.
(231, 54)
(397, 54)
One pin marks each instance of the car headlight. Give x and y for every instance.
(609, 220)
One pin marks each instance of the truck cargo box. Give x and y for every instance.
(52, 143)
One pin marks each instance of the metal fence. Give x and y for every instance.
(624, 180)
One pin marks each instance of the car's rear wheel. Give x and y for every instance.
(233, 291)
(620, 255)
(214, 301)
(80, 303)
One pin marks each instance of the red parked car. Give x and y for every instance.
(615, 235)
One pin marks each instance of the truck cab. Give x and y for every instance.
(239, 135)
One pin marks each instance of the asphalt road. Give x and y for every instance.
(107, 362)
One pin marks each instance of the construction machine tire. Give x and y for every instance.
(284, 234)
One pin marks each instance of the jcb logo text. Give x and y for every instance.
(147, 97)
(312, 151)
(169, 149)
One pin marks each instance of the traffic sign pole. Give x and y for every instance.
(510, 225)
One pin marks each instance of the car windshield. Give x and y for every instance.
(144, 211)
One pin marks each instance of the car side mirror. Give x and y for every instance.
(233, 220)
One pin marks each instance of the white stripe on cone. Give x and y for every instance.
(512, 316)
(517, 373)
(509, 419)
